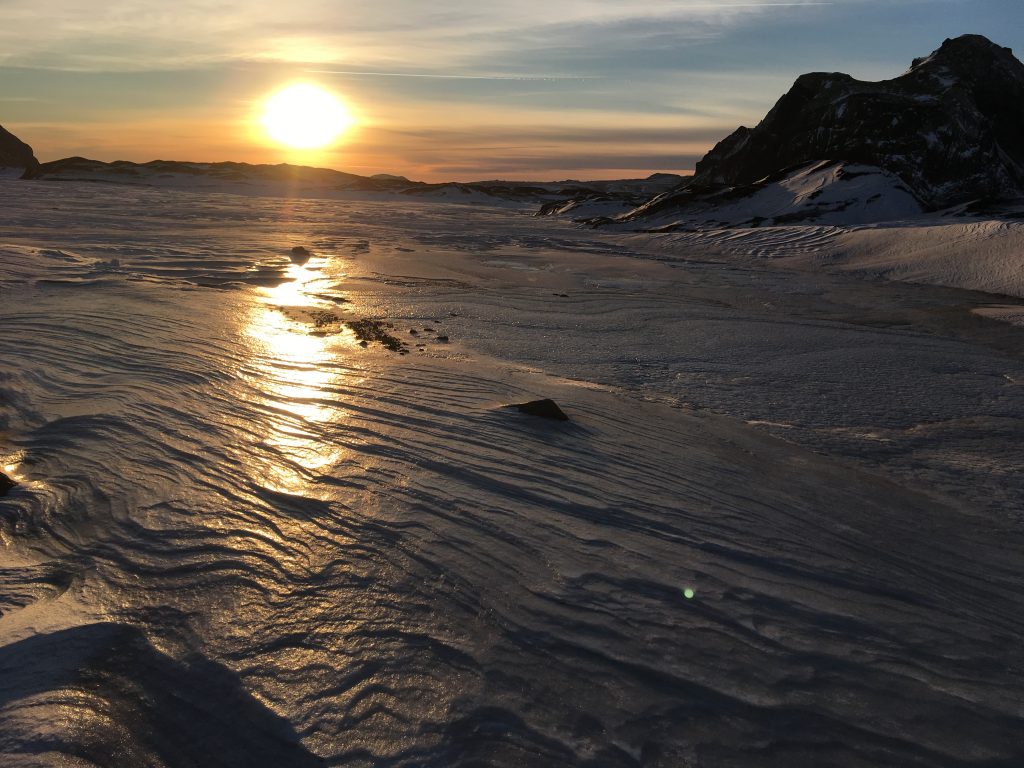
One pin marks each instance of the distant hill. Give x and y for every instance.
(302, 181)
(198, 175)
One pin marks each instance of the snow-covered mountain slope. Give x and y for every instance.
(952, 127)
(819, 193)
(591, 206)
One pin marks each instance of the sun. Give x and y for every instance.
(305, 116)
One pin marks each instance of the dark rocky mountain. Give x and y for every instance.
(14, 153)
(951, 128)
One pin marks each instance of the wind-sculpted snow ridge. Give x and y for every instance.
(240, 538)
(976, 253)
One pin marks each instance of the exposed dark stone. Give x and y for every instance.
(300, 255)
(14, 153)
(324, 319)
(5, 484)
(952, 127)
(545, 409)
(375, 330)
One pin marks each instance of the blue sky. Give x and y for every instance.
(458, 89)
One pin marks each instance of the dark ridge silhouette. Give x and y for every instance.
(15, 153)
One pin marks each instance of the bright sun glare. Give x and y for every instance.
(304, 116)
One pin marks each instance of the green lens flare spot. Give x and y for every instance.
(689, 594)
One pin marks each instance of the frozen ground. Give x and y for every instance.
(240, 538)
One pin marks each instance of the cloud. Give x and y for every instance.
(454, 36)
(536, 152)
(438, 76)
(557, 136)
(574, 88)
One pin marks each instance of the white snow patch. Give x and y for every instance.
(979, 255)
(828, 193)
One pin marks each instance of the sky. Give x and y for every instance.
(447, 89)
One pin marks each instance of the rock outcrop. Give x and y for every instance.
(15, 153)
(951, 128)
(544, 409)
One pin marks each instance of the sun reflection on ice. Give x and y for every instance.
(11, 466)
(299, 374)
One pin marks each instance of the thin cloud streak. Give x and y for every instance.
(716, 6)
(516, 78)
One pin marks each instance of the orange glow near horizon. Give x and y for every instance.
(304, 117)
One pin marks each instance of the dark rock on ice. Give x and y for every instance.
(374, 330)
(14, 153)
(324, 319)
(334, 299)
(545, 409)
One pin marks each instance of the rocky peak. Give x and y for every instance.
(14, 153)
(952, 127)
(974, 56)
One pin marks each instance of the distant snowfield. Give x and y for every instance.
(784, 526)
